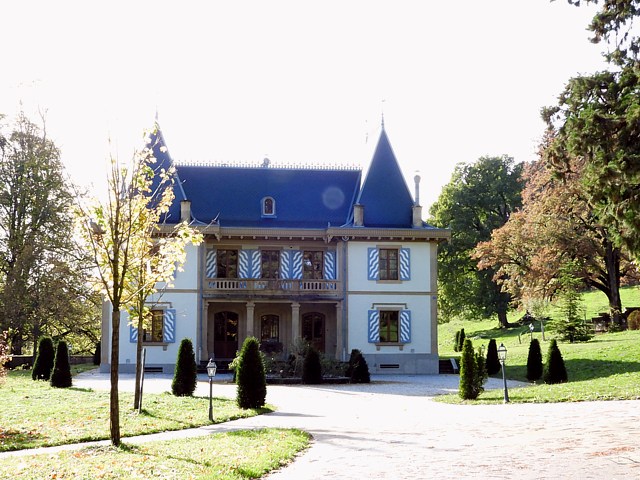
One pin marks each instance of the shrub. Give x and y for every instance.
(633, 320)
(555, 371)
(492, 364)
(461, 340)
(44, 359)
(61, 374)
(534, 361)
(250, 376)
(185, 377)
(311, 368)
(358, 368)
(472, 372)
(456, 342)
(5, 357)
(97, 354)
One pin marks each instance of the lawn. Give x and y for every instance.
(225, 456)
(34, 414)
(604, 368)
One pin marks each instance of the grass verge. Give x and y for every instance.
(34, 414)
(234, 455)
(605, 368)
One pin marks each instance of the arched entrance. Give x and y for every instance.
(313, 329)
(225, 340)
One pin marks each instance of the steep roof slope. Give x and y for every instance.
(385, 196)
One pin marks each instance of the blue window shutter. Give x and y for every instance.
(133, 334)
(296, 264)
(211, 264)
(405, 264)
(256, 271)
(330, 265)
(249, 264)
(169, 330)
(373, 263)
(405, 326)
(373, 326)
(285, 264)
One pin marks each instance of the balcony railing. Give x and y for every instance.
(267, 285)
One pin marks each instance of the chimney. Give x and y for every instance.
(358, 215)
(185, 211)
(417, 209)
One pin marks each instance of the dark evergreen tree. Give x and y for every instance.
(97, 354)
(456, 342)
(250, 376)
(461, 339)
(61, 374)
(44, 360)
(359, 373)
(468, 368)
(185, 377)
(534, 361)
(312, 368)
(555, 371)
(493, 364)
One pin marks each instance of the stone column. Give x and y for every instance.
(205, 332)
(295, 321)
(250, 320)
(339, 333)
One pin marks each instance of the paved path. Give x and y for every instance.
(393, 429)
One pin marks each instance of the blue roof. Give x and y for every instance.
(304, 197)
(385, 196)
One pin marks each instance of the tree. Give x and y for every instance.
(61, 374)
(479, 198)
(5, 358)
(43, 282)
(311, 368)
(570, 326)
(473, 374)
(534, 361)
(44, 360)
(116, 231)
(461, 337)
(185, 377)
(493, 363)
(555, 225)
(250, 376)
(555, 370)
(358, 371)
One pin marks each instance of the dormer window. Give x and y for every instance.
(268, 207)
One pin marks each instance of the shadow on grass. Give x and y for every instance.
(17, 439)
(580, 369)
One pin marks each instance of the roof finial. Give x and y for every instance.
(382, 114)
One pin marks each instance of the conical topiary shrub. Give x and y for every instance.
(555, 371)
(456, 342)
(311, 368)
(44, 359)
(492, 364)
(461, 340)
(185, 376)
(61, 374)
(358, 371)
(250, 376)
(467, 372)
(534, 361)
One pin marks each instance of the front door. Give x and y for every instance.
(313, 330)
(225, 340)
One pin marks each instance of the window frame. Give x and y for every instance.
(310, 272)
(152, 335)
(273, 324)
(270, 270)
(268, 207)
(386, 266)
(386, 315)
(219, 265)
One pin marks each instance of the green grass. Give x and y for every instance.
(232, 455)
(604, 368)
(33, 414)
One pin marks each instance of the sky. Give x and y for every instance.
(300, 82)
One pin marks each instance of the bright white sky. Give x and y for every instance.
(303, 82)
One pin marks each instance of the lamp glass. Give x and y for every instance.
(211, 368)
(502, 352)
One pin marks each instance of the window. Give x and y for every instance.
(155, 333)
(268, 207)
(270, 327)
(227, 263)
(270, 263)
(388, 264)
(312, 265)
(389, 326)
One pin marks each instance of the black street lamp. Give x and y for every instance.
(502, 356)
(211, 372)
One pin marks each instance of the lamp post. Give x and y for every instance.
(502, 356)
(211, 372)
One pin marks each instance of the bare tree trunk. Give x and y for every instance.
(136, 398)
(612, 262)
(114, 406)
(502, 319)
